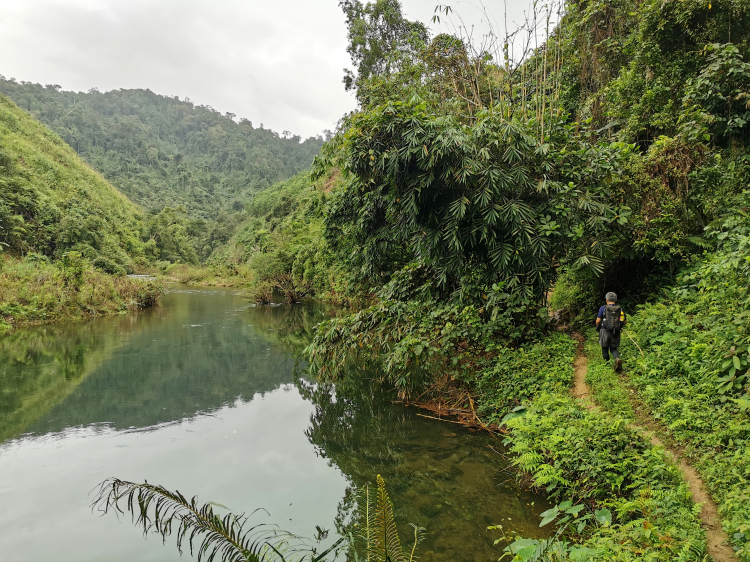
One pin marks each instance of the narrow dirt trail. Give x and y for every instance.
(717, 540)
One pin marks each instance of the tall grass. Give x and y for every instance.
(35, 290)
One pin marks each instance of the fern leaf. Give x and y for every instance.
(228, 538)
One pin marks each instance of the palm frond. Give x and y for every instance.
(229, 538)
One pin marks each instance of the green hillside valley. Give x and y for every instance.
(506, 301)
(162, 152)
(68, 237)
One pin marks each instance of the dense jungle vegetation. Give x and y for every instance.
(73, 229)
(161, 151)
(471, 185)
(474, 191)
(190, 167)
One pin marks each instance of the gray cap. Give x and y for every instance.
(610, 297)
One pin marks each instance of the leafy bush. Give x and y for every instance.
(516, 376)
(415, 335)
(480, 198)
(588, 457)
(693, 371)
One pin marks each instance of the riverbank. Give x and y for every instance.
(680, 400)
(207, 276)
(618, 496)
(36, 290)
(611, 392)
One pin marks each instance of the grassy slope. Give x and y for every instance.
(63, 202)
(36, 291)
(53, 204)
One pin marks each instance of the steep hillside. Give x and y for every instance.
(161, 151)
(52, 202)
(281, 242)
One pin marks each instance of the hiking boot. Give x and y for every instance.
(618, 365)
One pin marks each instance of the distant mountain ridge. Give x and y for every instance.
(161, 151)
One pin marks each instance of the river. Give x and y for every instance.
(204, 394)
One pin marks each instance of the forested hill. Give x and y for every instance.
(161, 151)
(52, 202)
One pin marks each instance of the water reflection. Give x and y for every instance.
(201, 395)
(192, 355)
(440, 475)
(40, 367)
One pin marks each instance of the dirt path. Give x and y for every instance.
(718, 541)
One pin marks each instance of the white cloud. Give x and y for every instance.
(278, 63)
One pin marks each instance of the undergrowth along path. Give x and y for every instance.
(716, 539)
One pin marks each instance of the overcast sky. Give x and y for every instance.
(277, 62)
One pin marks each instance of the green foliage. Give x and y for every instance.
(213, 275)
(229, 538)
(633, 63)
(380, 38)
(52, 203)
(604, 382)
(619, 497)
(484, 197)
(35, 290)
(672, 80)
(593, 458)
(516, 376)
(693, 374)
(169, 237)
(281, 242)
(455, 227)
(411, 333)
(164, 152)
(377, 532)
(720, 94)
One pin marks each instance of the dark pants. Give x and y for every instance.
(606, 351)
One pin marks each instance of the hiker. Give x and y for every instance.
(609, 322)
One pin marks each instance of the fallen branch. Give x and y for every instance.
(635, 342)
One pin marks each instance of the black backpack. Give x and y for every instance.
(612, 322)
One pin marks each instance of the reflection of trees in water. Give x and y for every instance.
(356, 429)
(205, 353)
(170, 363)
(196, 353)
(40, 366)
(290, 326)
(440, 476)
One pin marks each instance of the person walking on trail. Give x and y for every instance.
(609, 322)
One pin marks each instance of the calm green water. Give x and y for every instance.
(200, 395)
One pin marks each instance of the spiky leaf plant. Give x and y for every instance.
(378, 528)
(227, 538)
